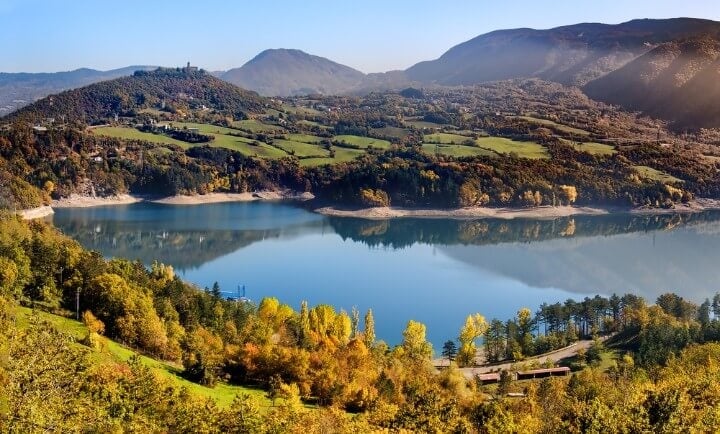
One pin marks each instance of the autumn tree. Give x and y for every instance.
(369, 330)
(414, 344)
(474, 327)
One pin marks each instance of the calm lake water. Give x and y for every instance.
(436, 271)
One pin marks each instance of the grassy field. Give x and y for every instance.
(300, 110)
(445, 138)
(395, 132)
(554, 125)
(313, 124)
(300, 149)
(457, 150)
(223, 393)
(656, 175)
(304, 138)
(255, 126)
(363, 142)
(593, 148)
(502, 145)
(130, 133)
(422, 124)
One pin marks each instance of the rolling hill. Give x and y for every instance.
(178, 89)
(20, 89)
(284, 72)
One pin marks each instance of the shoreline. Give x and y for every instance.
(79, 201)
(376, 213)
(542, 212)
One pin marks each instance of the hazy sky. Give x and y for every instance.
(370, 35)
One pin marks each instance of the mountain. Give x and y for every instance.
(20, 89)
(573, 55)
(678, 80)
(177, 88)
(283, 72)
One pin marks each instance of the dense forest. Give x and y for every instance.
(663, 379)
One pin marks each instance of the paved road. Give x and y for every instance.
(554, 357)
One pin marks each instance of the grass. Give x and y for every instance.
(457, 150)
(300, 149)
(223, 394)
(255, 126)
(363, 142)
(422, 124)
(341, 155)
(304, 138)
(502, 145)
(305, 146)
(446, 138)
(129, 133)
(656, 175)
(594, 148)
(313, 124)
(554, 125)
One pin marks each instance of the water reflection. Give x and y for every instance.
(432, 270)
(582, 254)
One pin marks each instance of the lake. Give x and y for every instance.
(436, 271)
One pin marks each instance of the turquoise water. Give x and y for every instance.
(436, 271)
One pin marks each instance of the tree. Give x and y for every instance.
(202, 356)
(414, 344)
(215, 291)
(369, 331)
(495, 341)
(525, 325)
(449, 350)
(470, 195)
(355, 321)
(504, 383)
(568, 194)
(475, 326)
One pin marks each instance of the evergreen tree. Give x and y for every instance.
(449, 350)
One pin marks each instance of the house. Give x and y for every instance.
(39, 129)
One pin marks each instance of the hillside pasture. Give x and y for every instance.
(362, 142)
(456, 150)
(502, 145)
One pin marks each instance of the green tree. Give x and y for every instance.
(449, 350)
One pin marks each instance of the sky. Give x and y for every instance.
(369, 35)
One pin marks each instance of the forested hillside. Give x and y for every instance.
(179, 89)
(657, 371)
